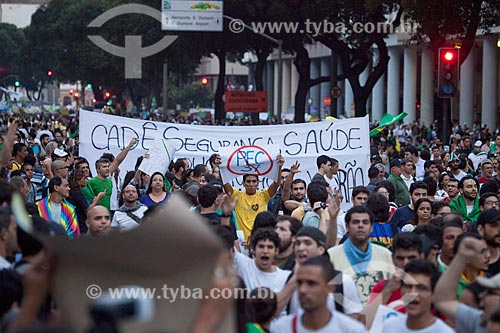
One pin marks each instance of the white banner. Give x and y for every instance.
(346, 140)
(249, 160)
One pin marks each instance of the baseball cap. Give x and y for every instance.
(478, 143)
(492, 282)
(488, 216)
(395, 163)
(314, 233)
(60, 152)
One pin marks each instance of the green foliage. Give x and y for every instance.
(195, 95)
(10, 39)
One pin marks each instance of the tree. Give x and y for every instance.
(10, 39)
(444, 22)
(354, 46)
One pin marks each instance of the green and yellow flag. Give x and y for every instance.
(387, 119)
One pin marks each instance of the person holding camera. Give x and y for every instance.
(318, 197)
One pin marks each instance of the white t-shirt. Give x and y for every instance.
(351, 301)
(341, 230)
(4, 264)
(460, 175)
(56, 212)
(398, 324)
(338, 323)
(254, 277)
(124, 223)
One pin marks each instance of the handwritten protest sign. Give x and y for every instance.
(159, 158)
(346, 140)
(249, 160)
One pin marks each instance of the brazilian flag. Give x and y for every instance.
(387, 119)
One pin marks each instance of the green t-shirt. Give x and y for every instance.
(96, 186)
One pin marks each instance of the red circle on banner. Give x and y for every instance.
(240, 151)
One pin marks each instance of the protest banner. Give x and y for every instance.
(249, 160)
(159, 158)
(346, 140)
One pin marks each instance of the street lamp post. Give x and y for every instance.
(278, 42)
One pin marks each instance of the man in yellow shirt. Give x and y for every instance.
(19, 152)
(252, 201)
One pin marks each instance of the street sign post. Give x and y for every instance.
(336, 92)
(246, 101)
(191, 15)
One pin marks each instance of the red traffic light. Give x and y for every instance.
(449, 56)
(50, 73)
(71, 91)
(77, 95)
(204, 81)
(94, 100)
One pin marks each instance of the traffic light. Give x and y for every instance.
(71, 91)
(77, 95)
(50, 73)
(448, 72)
(107, 95)
(204, 81)
(17, 84)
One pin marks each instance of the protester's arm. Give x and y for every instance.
(8, 144)
(322, 219)
(213, 310)
(445, 293)
(286, 293)
(274, 186)
(333, 210)
(382, 298)
(96, 200)
(227, 206)
(292, 204)
(121, 156)
(287, 185)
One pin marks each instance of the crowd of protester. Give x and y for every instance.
(422, 237)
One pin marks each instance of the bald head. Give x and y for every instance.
(98, 221)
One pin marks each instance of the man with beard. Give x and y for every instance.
(286, 228)
(454, 164)
(467, 204)
(365, 262)
(260, 271)
(298, 197)
(488, 226)
(130, 214)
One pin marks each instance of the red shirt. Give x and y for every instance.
(377, 289)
